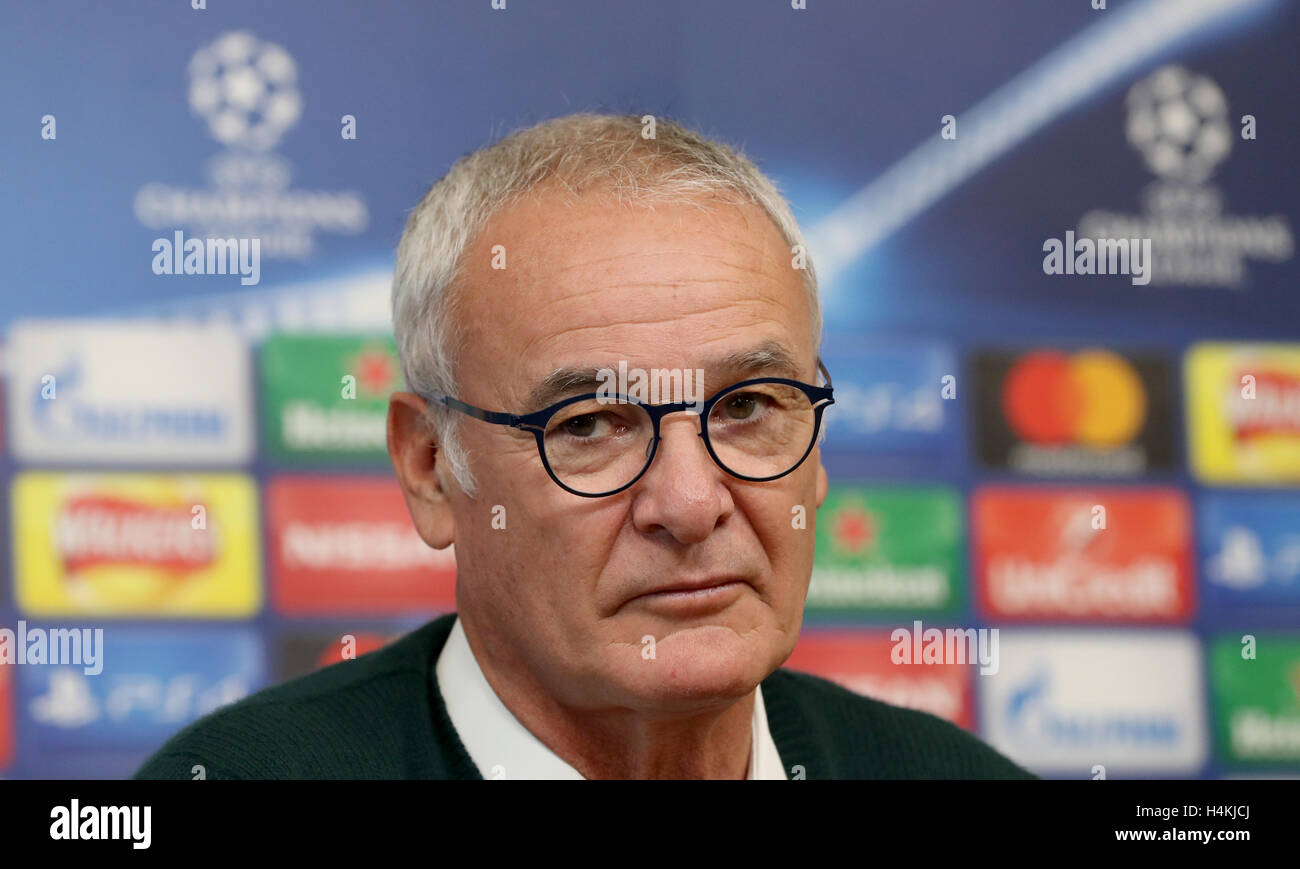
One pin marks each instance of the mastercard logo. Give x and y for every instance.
(1092, 398)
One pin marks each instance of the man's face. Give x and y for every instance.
(566, 587)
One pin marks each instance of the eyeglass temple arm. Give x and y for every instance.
(491, 416)
(821, 366)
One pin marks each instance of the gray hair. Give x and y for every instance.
(578, 152)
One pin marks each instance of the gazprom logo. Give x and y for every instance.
(1067, 699)
(1031, 715)
(120, 391)
(75, 417)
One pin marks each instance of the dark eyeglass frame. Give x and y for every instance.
(821, 397)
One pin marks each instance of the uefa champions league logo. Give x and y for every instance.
(1179, 121)
(246, 92)
(246, 89)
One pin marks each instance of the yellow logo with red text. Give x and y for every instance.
(1243, 412)
(140, 545)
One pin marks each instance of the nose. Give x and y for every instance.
(683, 495)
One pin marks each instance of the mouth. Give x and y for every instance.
(692, 596)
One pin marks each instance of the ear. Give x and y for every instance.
(413, 449)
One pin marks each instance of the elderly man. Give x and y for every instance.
(631, 572)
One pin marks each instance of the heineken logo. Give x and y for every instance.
(855, 530)
(882, 549)
(326, 395)
(376, 372)
(1257, 694)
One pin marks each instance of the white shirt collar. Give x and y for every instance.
(502, 748)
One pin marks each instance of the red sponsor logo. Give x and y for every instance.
(1274, 410)
(346, 544)
(861, 662)
(855, 530)
(1085, 555)
(100, 530)
(376, 371)
(1094, 398)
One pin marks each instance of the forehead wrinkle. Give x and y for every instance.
(653, 318)
(768, 295)
(600, 260)
(742, 318)
(701, 254)
(770, 357)
(748, 274)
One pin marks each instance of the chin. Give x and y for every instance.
(701, 666)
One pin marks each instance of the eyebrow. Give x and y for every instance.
(767, 359)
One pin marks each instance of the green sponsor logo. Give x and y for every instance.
(1257, 699)
(887, 550)
(326, 396)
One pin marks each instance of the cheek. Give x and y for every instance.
(785, 522)
(514, 459)
(549, 556)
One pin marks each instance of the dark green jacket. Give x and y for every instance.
(381, 716)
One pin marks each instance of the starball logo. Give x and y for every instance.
(246, 92)
(1179, 122)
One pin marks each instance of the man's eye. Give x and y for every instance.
(593, 425)
(743, 406)
(581, 426)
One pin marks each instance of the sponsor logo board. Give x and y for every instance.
(142, 545)
(1066, 702)
(1105, 554)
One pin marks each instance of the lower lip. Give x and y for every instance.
(699, 600)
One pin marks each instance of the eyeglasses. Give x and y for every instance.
(600, 444)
